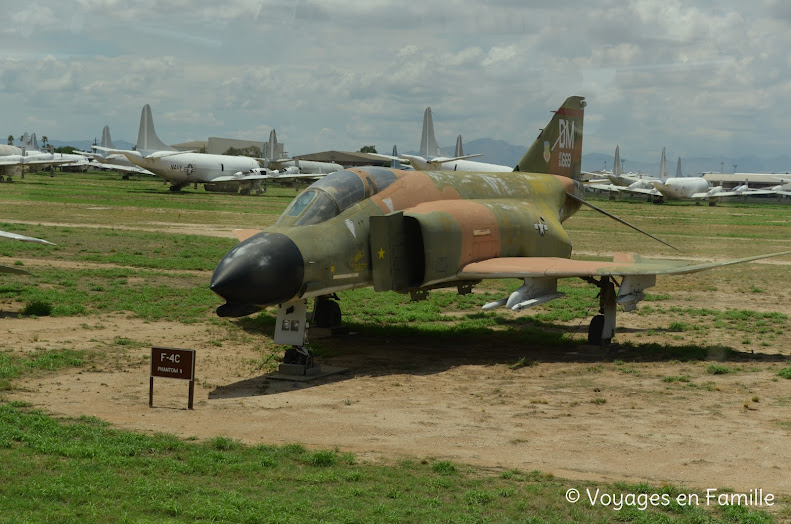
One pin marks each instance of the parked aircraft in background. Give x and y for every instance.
(182, 168)
(700, 189)
(413, 231)
(629, 182)
(31, 149)
(115, 161)
(676, 188)
(13, 160)
(784, 188)
(431, 158)
(294, 165)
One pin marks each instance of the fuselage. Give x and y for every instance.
(188, 168)
(680, 188)
(311, 167)
(347, 230)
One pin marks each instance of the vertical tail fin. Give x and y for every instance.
(34, 142)
(428, 143)
(395, 151)
(558, 148)
(459, 147)
(678, 169)
(663, 166)
(617, 168)
(106, 140)
(147, 139)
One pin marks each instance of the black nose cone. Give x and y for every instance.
(264, 270)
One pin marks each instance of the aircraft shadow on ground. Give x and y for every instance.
(373, 351)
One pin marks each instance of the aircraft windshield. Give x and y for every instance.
(333, 194)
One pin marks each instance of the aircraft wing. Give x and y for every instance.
(125, 169)
(787, 193)
(641, 191)
(603, 186)
(298, 176)
(11, 160)
(750, 192)
(623, 264)
(16, 160)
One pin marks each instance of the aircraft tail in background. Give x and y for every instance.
(428, 142)
(106, 140)
(147, 139)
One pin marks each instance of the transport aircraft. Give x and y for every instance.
(182, 168)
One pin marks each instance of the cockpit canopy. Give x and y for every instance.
(333, 194)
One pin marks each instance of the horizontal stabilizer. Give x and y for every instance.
(23, 238)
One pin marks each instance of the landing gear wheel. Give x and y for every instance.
(327, 314)
(595, 330)
(175, 188)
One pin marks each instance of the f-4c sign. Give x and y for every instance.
(173, 363)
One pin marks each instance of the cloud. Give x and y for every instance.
(341, 74)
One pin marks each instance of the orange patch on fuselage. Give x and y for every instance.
(411, 189)
(480, 232)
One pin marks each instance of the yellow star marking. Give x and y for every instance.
(381, 253)
(332, 269)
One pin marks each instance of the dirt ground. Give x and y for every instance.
(576, 414)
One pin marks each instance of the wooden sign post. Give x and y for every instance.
(172, 363)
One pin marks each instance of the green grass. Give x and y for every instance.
(718, 369)
(14, 365)
(150, 295)
(81, 470)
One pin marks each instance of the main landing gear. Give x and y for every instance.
(602, 326)
(630, 293)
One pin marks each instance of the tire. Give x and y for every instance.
(595, 330)
(327, 314)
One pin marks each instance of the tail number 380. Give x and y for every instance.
(564, 160)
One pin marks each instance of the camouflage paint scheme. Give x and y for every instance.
(411, 231)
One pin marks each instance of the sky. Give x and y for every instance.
(707, 79)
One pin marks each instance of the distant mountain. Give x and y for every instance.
(501, 152)
(85, 145)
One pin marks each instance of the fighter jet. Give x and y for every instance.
(414, 231)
